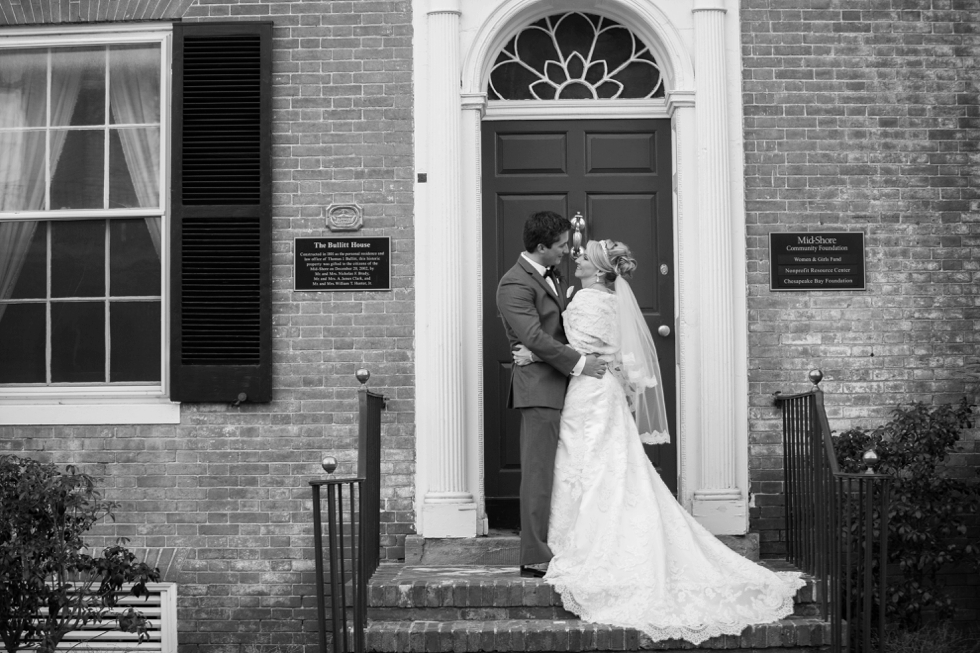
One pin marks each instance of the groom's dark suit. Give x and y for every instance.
(531, 312)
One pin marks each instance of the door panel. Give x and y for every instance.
(521, 154)
(618, 153)
(616, 173)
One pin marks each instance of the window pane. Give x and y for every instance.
(21, 169)
(122, 194)
(134, 259)
(134, 167)
(77, 182)
(135, 338)
(134, 84)
(22, 333)
(78, 86)
(23, 260)
(23, 87)
(77, 342)
(78, 259)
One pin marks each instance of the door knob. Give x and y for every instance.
(663, 330)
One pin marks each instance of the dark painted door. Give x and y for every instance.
(617, 175)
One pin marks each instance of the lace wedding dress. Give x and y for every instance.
(625, 552)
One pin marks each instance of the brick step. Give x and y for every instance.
(502, 548)
(401, 592)
(795, 634)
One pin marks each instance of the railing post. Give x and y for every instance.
(321, 617)
(370, 405)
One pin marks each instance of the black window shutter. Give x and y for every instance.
(221, 229)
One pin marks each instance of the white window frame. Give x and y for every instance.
(122, 404)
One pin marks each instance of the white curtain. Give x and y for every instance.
(134, 98)
(22, 181)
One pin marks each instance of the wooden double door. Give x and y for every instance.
(617, 175)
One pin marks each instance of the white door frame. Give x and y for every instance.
(481, 38)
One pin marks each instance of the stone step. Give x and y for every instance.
(795, 634)
(402, 592)
(502, 548)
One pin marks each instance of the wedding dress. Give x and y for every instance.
(625, 552)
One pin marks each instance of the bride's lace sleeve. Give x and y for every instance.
(591, 324)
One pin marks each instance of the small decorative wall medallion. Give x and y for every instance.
(344, 217)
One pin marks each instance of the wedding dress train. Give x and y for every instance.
(625, 552)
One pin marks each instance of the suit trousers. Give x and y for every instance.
(539, 443)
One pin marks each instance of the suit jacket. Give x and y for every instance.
(532, 316)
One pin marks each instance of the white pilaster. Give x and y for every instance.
(474, 107)
(448, 507)
(718, 503)
(680, 107)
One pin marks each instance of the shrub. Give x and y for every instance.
(939, 638)
(49, 585)
(928, 509)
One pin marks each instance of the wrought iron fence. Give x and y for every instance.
(836, 524)
(353, 507)
(345, 553)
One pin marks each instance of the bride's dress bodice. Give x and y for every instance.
(626, 552)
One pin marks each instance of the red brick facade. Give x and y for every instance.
(861, 118)
(855, 118)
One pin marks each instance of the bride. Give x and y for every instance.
(625, 552)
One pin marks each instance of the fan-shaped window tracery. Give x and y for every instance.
(574, 56)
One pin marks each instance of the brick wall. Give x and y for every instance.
(862, 117)
(225, 493)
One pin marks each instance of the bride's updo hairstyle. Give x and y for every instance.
(613, 258)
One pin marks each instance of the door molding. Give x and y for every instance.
(670, 38)
(577, 110)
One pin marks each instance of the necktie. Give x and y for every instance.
(549, 274)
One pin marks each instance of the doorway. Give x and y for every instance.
(616, 174)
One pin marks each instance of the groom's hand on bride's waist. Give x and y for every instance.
(594, 367)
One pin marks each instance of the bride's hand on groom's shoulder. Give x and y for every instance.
(523, 356)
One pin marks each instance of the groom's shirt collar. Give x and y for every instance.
(537, 266)
(541, 270)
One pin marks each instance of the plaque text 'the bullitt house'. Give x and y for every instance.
(342, 264)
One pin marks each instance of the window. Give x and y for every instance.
(112, 289)
(81, 214)
(575, 56)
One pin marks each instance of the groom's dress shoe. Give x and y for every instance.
(531, 572)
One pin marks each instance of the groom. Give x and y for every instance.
(531, 298)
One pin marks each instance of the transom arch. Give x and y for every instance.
(644, 19)
(575, 55)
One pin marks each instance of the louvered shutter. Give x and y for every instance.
(221, 231)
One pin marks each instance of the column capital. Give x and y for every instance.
(709, 5)
(444, 7)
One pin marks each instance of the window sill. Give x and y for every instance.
(92, 412)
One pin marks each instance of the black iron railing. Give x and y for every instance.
(836, 524)
(353, 507)
(345, 553)
(370, 405)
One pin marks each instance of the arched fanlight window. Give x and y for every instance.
(575, 56)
